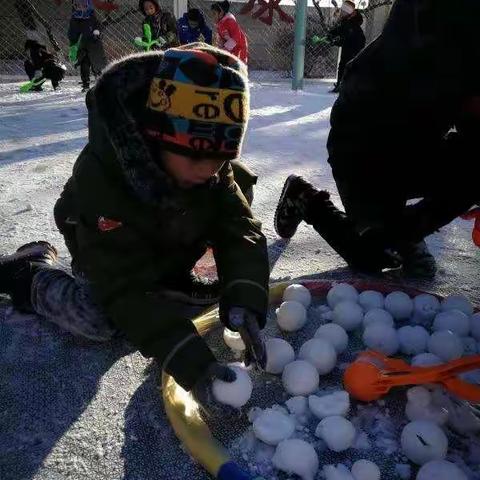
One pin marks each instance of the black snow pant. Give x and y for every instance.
(67, 300)
(91, 55)
(377, 214)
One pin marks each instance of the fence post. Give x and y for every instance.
(299, 46)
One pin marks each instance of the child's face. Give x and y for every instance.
(150, 8)
(188, 172)
(216, 16)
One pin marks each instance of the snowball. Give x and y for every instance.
(440, 470)
(475, 326)
(272, 426)
(298, 293)
(233, 340)
(341, 292)
(426, 360)
(420, 407)
(413, 340)
(296, 457)
(291, 316)
(348, 315)
(279, 354)
(378, 315)
(337, 432)
(425, 307)
(300, 378)
(334, 404)
(381, 338)
(453, 320)
(335, 334)
(320, 354)
(237, 393)
(457, 302)
(370, 300)
(399, 304)
(445, 345)
(297, 405)
(339, 472)
(423, 441)
(365, 470)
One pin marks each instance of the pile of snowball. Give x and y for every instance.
(391, 324)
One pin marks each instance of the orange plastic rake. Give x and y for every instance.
(372, 375)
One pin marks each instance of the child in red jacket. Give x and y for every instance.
(229, 35)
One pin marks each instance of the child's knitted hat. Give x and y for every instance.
(198, 103)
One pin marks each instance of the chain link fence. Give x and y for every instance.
(269, 25)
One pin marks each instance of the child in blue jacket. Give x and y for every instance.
(192, 28)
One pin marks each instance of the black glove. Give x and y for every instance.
(246, 323)
(203, 394)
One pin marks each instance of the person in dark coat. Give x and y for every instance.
(162, 24)
(347, 34)
(193, 28)
(405, 127)
(41, 64)
(152, 187)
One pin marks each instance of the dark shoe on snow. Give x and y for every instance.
(418, 261)
(291, 206)
(17, 270)
(193, 290)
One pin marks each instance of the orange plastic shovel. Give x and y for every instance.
(372, 375)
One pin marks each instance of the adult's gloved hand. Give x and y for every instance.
(246, 323)
(203, 393)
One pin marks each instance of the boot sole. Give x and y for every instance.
(287, 183)
(184, 298)
(31, 249)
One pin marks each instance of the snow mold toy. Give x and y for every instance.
(373, 374)
(184, 413)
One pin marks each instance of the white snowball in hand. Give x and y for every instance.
(445, 345)
(298, 293)
(365, 470)
(296, 457)
(334, 404)
(426, 360)
(335, 334)
(291, 316)
(381, 338)
(320, 354)
(348, 315)
(272, 426)
(423, 441)
(457, 302)
(475, 326)
(399, 304)
(440, 470)
(337, 432)
(413, 340)
(453, 320)
(378, 315)
(340, 293)
(300, 378)
(233, 340)
(370, 299)
(279, 354)
(425, 307)
(237, 393)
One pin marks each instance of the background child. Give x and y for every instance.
(151, 188)
(162, 24)
(192, 28)
(229, 36)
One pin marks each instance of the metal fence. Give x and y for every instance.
(268, 24)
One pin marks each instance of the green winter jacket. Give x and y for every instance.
(130, 230)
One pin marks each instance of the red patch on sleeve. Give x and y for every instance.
(107, 224)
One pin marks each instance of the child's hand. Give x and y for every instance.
(246, 323)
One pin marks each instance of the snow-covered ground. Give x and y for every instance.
(69, 409)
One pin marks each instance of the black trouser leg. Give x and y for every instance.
(29, 69)
(85, 70)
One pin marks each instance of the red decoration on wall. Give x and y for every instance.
(266, 6)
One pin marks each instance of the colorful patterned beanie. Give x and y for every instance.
(198, 103)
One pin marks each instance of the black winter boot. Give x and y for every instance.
(17, 271)
(290, 212)
(417, 261)
(193, 290)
